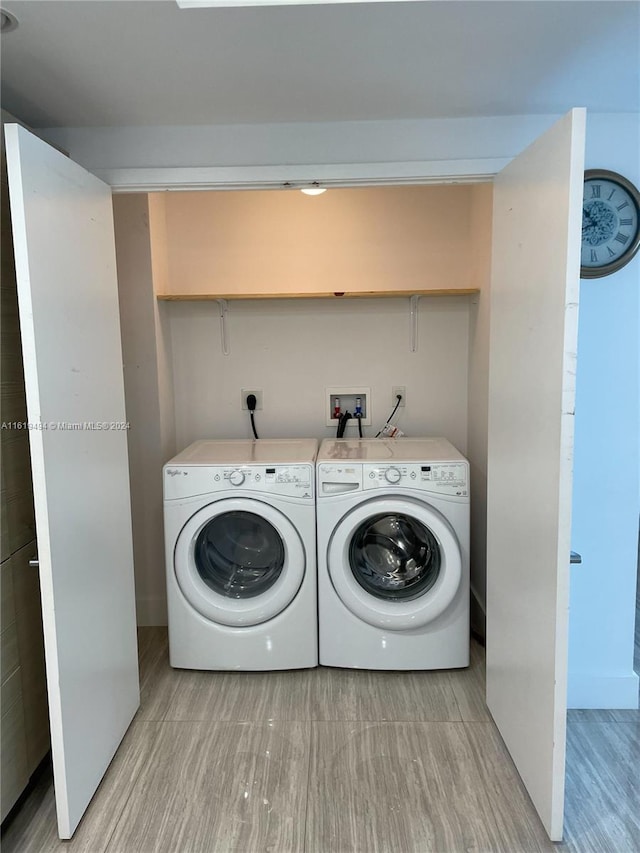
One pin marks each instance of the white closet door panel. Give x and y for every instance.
(534, 314)
(65, 266)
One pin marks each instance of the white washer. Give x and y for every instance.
(241, 555)
(393, 554)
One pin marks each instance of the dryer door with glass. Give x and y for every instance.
(239, 562)
(395, 562)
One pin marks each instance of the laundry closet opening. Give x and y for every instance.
(261, 251)
(177, 361)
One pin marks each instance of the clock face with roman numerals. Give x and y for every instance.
(610, 223)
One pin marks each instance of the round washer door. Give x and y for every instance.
(395, 563)
(239, 562)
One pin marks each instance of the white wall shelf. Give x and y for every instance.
(223, 298)
(370, 294)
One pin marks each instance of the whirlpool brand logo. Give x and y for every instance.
(175, 472)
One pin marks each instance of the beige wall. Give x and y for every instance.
(292, 350)
(160, 276)
(480, 253)
(147, 451)
(369, 238)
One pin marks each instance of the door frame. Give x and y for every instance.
(392, 173)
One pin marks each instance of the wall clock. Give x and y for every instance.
(610, 223)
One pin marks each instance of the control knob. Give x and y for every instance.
(236, 478)
(393, 475)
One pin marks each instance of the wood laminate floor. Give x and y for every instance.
(335, 761)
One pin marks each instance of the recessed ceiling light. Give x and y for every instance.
(8, 21)
(314, 189)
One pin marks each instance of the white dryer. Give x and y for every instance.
(393, 554)
(241, 555)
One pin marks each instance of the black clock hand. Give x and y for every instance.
(589, 225)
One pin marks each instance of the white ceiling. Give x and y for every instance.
(120, 62)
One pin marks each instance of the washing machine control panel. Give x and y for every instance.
(282, 478)
(445, 478)
(440, 478)
(191, 480)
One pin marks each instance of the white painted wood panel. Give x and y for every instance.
(67, 293)
(534, 313)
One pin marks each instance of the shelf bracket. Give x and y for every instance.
(224, 308)
(414, 321)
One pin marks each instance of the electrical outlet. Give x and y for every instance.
(348, 396)
(257, 393)
(399, 389)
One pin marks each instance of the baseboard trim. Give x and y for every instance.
(602, 691)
